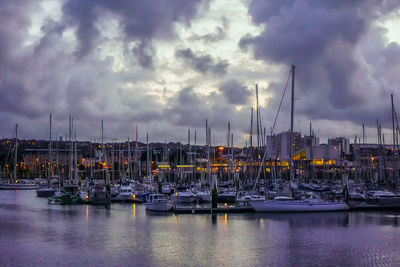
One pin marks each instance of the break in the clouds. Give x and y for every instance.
(167, 65)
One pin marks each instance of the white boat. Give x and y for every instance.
(245, 197)
(204, 196)
(166, 189)
(125, 194)
(375, 199)
(183, 195)
(158, 202)
(18, 186)
(287, 204)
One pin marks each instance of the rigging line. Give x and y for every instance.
(280, 104)
(272, 130)
(9, 156)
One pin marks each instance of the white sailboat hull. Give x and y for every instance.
(17, 186)
(297, 206)
(183, 198)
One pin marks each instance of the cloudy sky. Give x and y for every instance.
(167, 65)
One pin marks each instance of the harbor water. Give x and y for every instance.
(35, 233)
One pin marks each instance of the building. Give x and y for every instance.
(342, 143)
(278, 145)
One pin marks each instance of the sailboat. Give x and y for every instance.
(289, 204)
(381, 198)
(71, 192)
(98, 193)
(45, 190)
(17, 184)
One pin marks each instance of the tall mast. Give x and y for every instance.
(148, 158)
(76, 157)
(291, 124)
(394, 130)
(189, 149)
(195, 156)
(208, 153)
(229, 136)
(257, 116)
(70, 149)
(49, 174)
(136, 146)
(251, 129)
(16, 153)
(129, 160)
(57, 163)
(102, 136)
(363, 133)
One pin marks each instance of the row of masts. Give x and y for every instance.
(261, 141)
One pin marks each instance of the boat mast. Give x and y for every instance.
(394, 130)
(258, 125)
(57, 163)
(228, 143)
(137, 165)
(49, 169)
(76, 158)
(363, 133)
(70, 149)
(148, 157)
(129, 160)
(251, 129)
(195, 156)
(189, 153)
(16, 153)
(291, 124)
(208, 154)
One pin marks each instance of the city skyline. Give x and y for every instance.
(167, 66)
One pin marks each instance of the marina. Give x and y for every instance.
(199, 133)
(126, 234)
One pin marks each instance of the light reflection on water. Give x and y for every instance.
(125, 234)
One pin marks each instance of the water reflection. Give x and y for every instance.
(130, 235)
(321, 219)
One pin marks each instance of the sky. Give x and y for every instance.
(165, 66)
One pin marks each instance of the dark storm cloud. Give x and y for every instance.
(325, 40)
(144, 53)
(202, 63)
(140, 21)
(13, 27)
(188, 108)
(235, 92)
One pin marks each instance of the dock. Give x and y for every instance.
(208, 210)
